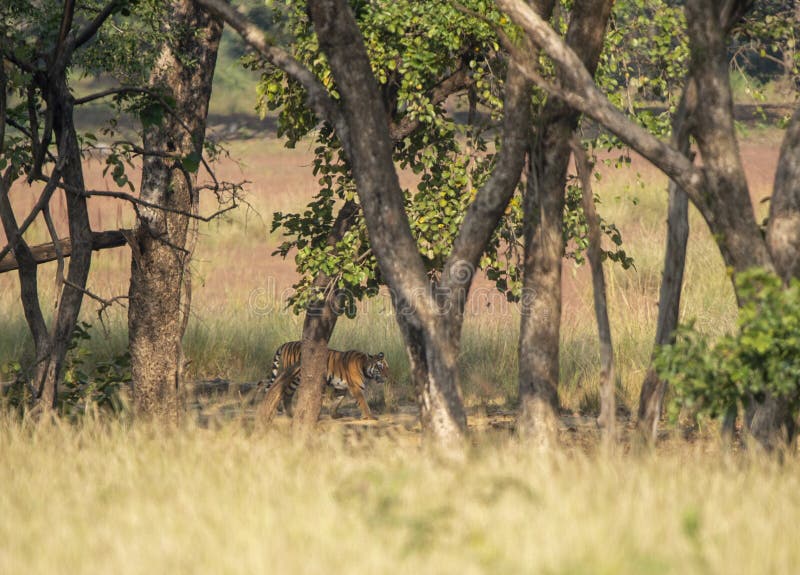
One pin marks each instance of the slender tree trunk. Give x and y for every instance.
(544, 243)
(607, 419)
(651, 398)
(80, 233)
(160, 258)
(320, 320)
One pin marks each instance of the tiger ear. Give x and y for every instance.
(380, 355)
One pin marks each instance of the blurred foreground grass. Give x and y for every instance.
(107, 499)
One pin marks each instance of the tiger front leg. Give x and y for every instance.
(362, 403)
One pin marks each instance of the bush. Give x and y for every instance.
(763, 357)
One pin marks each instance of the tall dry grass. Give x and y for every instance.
(107, 499)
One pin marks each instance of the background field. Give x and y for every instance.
(239, 288)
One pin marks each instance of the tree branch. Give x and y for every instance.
(51, 228)
(458, 80)
(490, 201)
(22, 65)
(318, 98)
(48, 252)
(139, 202)
(581, 93)
(113, 92)
(92, 27)
(61, 52)
(43, 200)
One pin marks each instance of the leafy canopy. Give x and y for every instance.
(415, 48)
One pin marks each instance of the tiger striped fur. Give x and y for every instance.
(346, 371)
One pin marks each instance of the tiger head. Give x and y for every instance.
(376, 368)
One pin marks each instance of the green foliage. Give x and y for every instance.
(82, 391)
(762, 358)
(414, 47)
(101, 389)
(643, 64)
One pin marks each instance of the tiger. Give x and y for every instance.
(346, 371)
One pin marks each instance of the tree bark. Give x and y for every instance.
(160, 258)
(544, 243)
(51, 347)
(651, 398)
(429, 327)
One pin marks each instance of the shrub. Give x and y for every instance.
(763, 357)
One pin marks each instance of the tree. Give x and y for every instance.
(429, 313)
(718, 189)
(544, 244)
(162, 243)
(40, 45)
(172, 110)
(421, 53)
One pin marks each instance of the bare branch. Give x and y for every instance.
(51, 228)
(104, 303)
(114, 92)
(139, 202)
(44, 253)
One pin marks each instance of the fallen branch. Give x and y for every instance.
(44, 253)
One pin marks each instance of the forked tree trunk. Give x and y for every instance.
(544, 244)
(359, 112)
(80, 232)
(51, 346)
(651, 398)
(159, 254)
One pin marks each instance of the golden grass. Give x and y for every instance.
(106, 499)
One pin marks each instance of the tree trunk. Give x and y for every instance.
(544, 243)
(607, 420)
(160, 258)
(80, 233)
(772, 421)
(651, 398)
(433, 367)
(320, 320)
